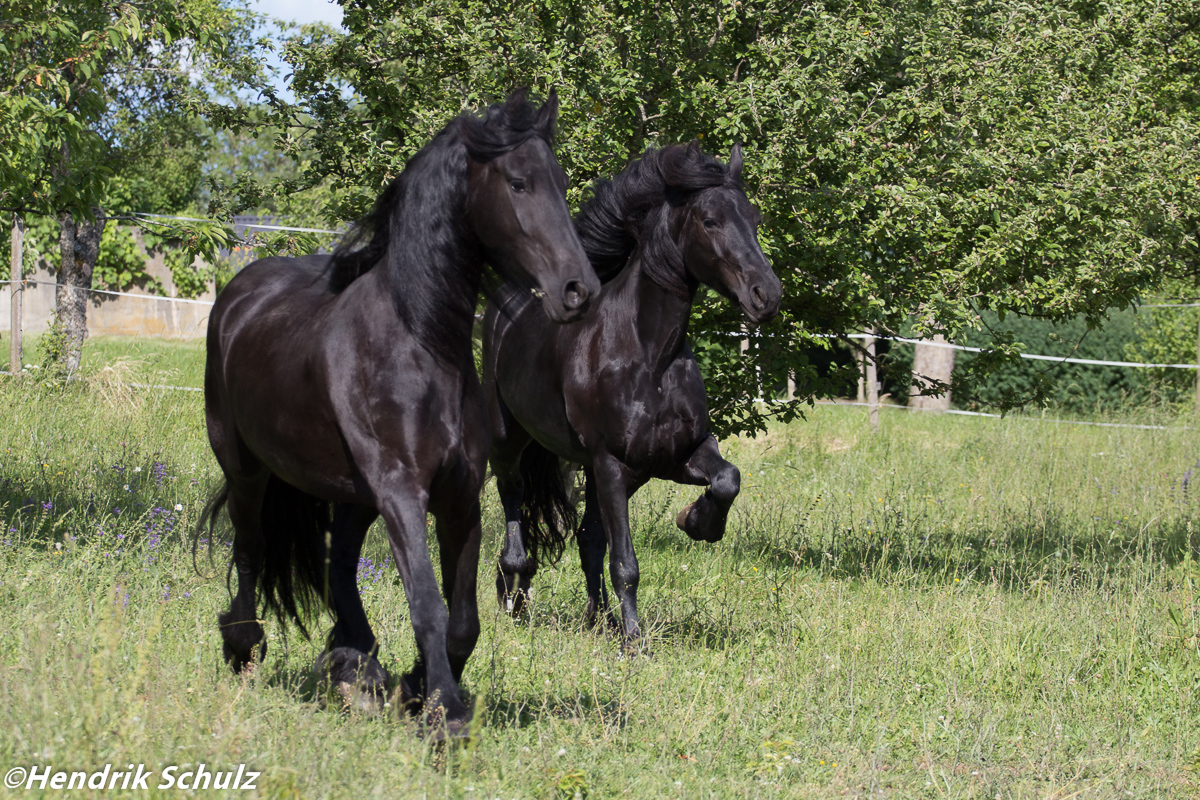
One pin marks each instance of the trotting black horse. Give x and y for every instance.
(341, 388)
(621, 392)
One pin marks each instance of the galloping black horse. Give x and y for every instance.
(621, 392)
(345, 387)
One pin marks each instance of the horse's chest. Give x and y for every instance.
(673, 419)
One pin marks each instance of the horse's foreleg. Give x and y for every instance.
(613, 487)
(458, 540)
(704, 519)
(350, 657)
(241, 633)
(593, 546)
(431, 681)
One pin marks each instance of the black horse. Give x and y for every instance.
(621, 392)
(341, 388)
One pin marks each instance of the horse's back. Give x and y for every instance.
(277, 282)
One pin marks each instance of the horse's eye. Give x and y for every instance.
(710, 223)
(517, 184)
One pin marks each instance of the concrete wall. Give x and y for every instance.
(106, 314)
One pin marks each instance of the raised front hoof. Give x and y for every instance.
(701, 521)
(513, 592)
(356, 678)
(243, 642)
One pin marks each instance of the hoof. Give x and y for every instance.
(513, 592)
(681, 519)
(456, 730)
(243, 642)
(410, 694)
(635, 648)
(436, 728)
(593, 612)
(698, 520)
(357, 678)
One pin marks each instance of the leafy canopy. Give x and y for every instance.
(917, 162)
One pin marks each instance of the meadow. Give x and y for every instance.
(949, 608)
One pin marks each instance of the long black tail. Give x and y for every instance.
(294, 578)
(292, 582)
(208, 521)
(548, 514)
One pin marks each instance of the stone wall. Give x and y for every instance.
(111, 315)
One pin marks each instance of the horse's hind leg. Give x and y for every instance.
(593, 546)
(241, 632)
(349, 660)
(704, 519)
(514, 568)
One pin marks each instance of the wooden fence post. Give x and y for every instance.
(872, 383)
(14, 342)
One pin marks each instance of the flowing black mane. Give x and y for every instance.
(423, 209)
(632, 210)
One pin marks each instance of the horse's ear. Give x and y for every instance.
(693, 150)
(516, 101)
(735, 162)
(547, 116)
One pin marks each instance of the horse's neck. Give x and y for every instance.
(437, 297)
(660, 316)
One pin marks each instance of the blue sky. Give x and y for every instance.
(300, 11)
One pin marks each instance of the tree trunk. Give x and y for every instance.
(931, 363)
(79, 245)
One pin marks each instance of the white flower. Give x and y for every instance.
(179, 506)
(137, 469)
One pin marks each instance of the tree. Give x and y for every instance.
(97, 102)
(916, 162)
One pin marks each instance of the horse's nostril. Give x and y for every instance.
(760, 299)
(575, 295)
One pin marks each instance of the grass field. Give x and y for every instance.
(953, 607)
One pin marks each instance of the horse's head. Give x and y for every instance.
(716, 230)
(517, 208)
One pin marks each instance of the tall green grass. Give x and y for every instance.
(949, 608)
